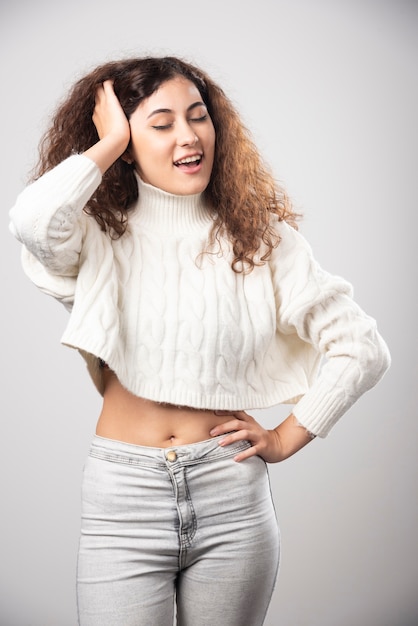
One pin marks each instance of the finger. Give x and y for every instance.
(234, 437)
(107, 83)
(241, 415)
(104, 88)
(245, 454)
(226, 427)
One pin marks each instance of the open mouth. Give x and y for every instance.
(189, 161)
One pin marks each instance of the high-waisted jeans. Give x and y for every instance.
(185, 526)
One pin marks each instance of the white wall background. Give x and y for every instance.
(329, 89)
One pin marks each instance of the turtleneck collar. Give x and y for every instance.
(168, 213)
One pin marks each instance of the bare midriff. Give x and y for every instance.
(128, 418)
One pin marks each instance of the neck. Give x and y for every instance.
(168, 213)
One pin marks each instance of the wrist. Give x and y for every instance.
(107, 150)
(292, 436)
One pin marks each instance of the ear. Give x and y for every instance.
(127, 158)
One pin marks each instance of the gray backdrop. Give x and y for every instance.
(329, 89)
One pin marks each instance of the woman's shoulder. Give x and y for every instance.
(289, 239)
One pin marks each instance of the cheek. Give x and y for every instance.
(157, 150)
(149, 155)
(212, 141)
(212, 152)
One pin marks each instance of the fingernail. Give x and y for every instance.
(212, 432)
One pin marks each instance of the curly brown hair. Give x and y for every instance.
(242, 191)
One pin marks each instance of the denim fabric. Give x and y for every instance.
(185, 526)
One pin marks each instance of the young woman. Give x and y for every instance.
(193, 300)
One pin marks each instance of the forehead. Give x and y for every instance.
(177, 93)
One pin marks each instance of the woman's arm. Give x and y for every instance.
(318, 307)
(48, 216)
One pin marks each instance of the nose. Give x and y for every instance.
(186, 135)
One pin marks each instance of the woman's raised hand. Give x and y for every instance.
(112, 127)
(108, 116)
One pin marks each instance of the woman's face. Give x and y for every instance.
(173, 139)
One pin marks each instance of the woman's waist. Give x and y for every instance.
(129, 418)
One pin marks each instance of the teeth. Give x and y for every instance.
(189, 160)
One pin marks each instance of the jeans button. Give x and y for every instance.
(171, 456)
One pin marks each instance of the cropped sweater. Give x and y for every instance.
(181, 327)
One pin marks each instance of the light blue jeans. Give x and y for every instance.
(185, 526)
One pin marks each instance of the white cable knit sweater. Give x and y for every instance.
(185, 329)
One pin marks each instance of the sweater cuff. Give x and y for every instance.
(320, 408)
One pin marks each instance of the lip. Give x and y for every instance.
(188, 156)
(190, 169)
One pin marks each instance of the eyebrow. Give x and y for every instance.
(189, 108)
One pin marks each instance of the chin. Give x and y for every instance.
(194, 190)
(187, 189)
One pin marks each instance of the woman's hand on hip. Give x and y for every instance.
(241, 427)
(271, 445)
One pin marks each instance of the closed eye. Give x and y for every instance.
(162, 126)
(203, 118)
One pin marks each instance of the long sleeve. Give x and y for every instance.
(48, 220)
(319, 308)
(48, 214)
